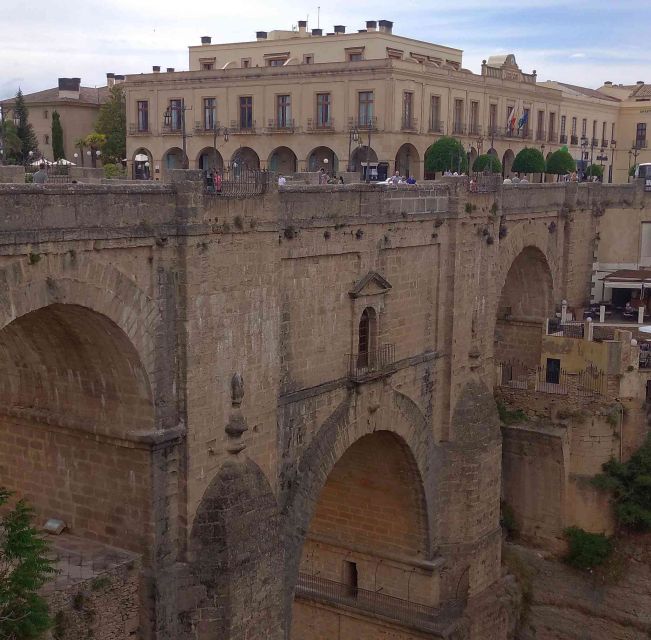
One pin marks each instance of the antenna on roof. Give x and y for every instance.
(318, 17)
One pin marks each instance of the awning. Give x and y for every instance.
(141, 157)
(628, 279)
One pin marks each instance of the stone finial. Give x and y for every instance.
(237, 389)
(235, 430)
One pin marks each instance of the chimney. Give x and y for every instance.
(340, 28)
(260, 35)
(155, 69)
(386, 26)
(170, 69)
(317, 32)
(608, 83)
(371, 25)
(119, 79)
(110, 80)
(69, 88)
(302, 26)
(206, 39)
(640, 82)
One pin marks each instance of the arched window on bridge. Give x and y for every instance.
(367, 341)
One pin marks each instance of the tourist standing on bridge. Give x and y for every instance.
(40, 177)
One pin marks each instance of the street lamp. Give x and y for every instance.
(216, 130)
(167, 122)
(584, 152)
(633, 153)
(353, 136)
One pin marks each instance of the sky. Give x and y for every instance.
(582, 42)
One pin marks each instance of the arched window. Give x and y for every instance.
(367, 339)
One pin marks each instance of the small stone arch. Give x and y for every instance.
(143, 164)
(323, 158)
(209, 158)
(493, 152)
(282, 160)
(408, 161)
(235, 555)
(360, 155)
(245, 158)
(507, 162)
(173, 159)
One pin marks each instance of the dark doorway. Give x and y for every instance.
(350, 578)
(553, 372)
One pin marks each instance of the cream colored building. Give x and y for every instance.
(301, 101)
(77, 106)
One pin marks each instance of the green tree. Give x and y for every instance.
(57, 137)
(446, 153)
(487, 162)
(560, 163)
(595, 170)
(112, 123)
(24, 569)
(24, 129)
(631, 171)
(630, 483)
(529, 160)
(80, 144)
(11, 143)
(95, 142)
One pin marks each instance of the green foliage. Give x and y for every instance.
(595, 170)
(631, 171)
(25, 131)
(24, 569)
(487, 162)
(529, 160)
(57, 137)
(114, 170)
(510, 416)
(446, 153)
(112, 124)
(560, 163)
(630, 484)
(95, 142)
(11, 142)
(586, 550)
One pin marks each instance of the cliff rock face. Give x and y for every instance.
(566, 604)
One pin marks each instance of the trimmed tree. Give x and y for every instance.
(12, 143)
(24, 569)
(446, 154)
(529, 160)
(112, 124)
(487, 162)
(595, 170)
(57, 137)
(560, 163)
(25, 131)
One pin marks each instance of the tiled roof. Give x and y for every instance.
(87, 95)
(643, 91)
(592, 93)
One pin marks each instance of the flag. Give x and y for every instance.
(524, 118)
(513, 117)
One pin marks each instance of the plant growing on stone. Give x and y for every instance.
(24, 569)
(586, 550)
(630, 484)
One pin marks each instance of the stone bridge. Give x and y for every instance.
(282, 403)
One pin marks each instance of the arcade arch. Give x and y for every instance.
(282, 160)
(408, 161)
(142, 164)
(323, 158)
(209, 158)
(507, 162)
(245, 158)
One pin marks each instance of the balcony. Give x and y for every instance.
(552, 137)
(316, 126)
(363, 124)
(280, 126)
(238, 127)
(205, 128)
(595, 142)
(135, 130)
(540, 135)
(424, 617)
(368, 365)
(524, 133)
(174, 129)
(474, 129)
(574, 139)
(563, 139)
(613, 142)
(605, 142)
(409, 124)
(436, 126)
(640, 143)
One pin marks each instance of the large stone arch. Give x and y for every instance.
(360, 414)
(235, 558)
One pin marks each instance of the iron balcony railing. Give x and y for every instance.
(459, 128)
(436, 126)
(524, 133)
(366, 124)
(566, 329)
(587, 382)
(613, 142)
(320, 126)
(474, 129)
(136, 130)
(171, 129)
(540, 135)
(206, 127)
(595, 142)
(237, 182)
(552, 137)
(563, 138)
(413, 614)
(639, 143)
(241, 127)
(574, 139)
(280, 126)
(605, 142)
(372, 363)
(409, 123)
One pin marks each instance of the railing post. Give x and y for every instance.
(563, 311)
(640, 315)
(587, 330)
(602, 313)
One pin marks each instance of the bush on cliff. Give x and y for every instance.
(586, 550)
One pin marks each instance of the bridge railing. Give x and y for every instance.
(590, 381)
(414, 614)
(237, 182)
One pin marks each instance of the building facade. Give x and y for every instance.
(300, 101)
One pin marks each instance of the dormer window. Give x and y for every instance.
(354, 54)
(276, 59)
(206, 64)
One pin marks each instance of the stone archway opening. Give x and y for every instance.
(173, 159)
(245, 159)
(368, 535)
(210, 159)
(282, 160)
(323, 158)
(142, 164)
(360, 157)
(72, 390)
(507, 162)
(408, 161)
(525, 302)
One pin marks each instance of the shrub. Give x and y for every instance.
(529, 160)
(630, 484)
(510, 416)
(446, 153)
(560, 163)
(114, 171)
(586, 550)
(487, 162)
(594, 170)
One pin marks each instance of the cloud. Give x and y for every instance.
(578, 55)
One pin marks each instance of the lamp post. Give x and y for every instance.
(215, 132)
(368, 157)
(542, 175)
(167, 122)
(353, 136)
(602, 157)
(93, 154)
(633, 153)
(584, 151)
